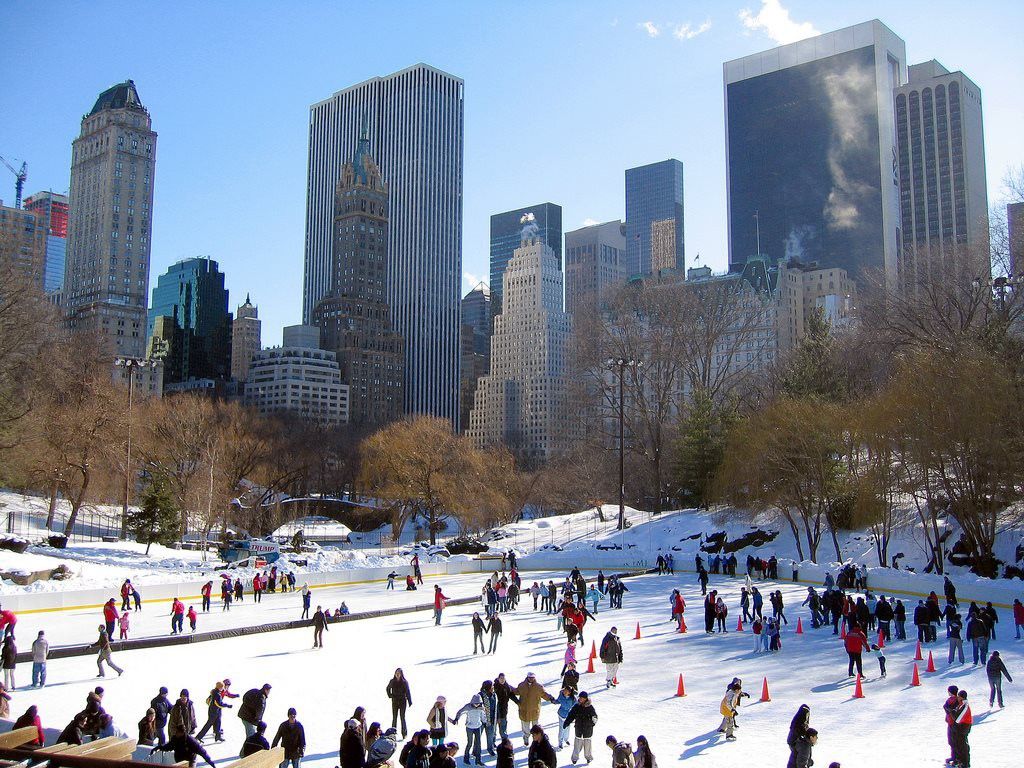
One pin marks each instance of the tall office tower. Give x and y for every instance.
(1015, 237)
(522, 402)
(189, 322)
(654, 219)
(245, 339)
(113, 162)
(23, 242)
(595, 259)
(943, 192)
(53, 210)
(414, 122)
(811, 151)
(354, 317)
(506, 234)
(475, 312)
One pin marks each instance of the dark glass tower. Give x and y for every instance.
(506, 234)
(654, 219)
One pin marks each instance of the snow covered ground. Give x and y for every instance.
(894, 724)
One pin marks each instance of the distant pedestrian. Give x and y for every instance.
(995, 670)
(611, 655)
(439, 603)
(319, 625)
(40, 650)
(103, 644)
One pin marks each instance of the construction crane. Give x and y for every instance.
(19, 183)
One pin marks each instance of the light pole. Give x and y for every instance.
(622, 363)
(130, 364)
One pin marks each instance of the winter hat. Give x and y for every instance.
(351, 723)
(163, 690)
(184, 692)
(441, 700)
(584, 695)
(390, 731)
(531, 676)
(475, 700)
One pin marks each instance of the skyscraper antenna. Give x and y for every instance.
(757, 229)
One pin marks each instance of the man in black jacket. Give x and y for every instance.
(292, 736)
(584, 716)
(503, 692)
(611, 655)
(254, 704)
(319, 625)
(541, 749)
(162, 706)
(921, 622)
(398, 691)
(995, 669)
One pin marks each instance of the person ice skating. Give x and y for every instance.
(319, 625)
(583, 717)
(161, 706)
(962, 722)
(227, 594)
(292, 737)
(611, 656)
(205, 592)
(995, 669)
(437, 721)
(103, 644)
(126, 595)
(728, 708)
(439, 602)
(239, 590)
(478, 632)
(351, 749)
(490, 702)
(192, 617)
(977, 633)
(644, 757)
(565, 700)
(504, 693)
(177, 616)
(398, 692)
(9, 658)
(416, 569)
(541, 752)
(797, 730)
(476, 717)
(530, 694)
(855, 643)
(494, 631)
(991, 619)
(215, 705)
(254, 704)
(622, 752)
(391, 582)
(307, 600)
(881, 660)
(40, 650)
(954, 628)
(110, 616)
(257, 742)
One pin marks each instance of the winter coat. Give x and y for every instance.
(476, 716)
(543, 751)
(571, 680)
(162, 706)
(254, 704)
(955, 625)
(253, 744)
(147, 731)
(802, 753)
(644, 759)
(291, 736)
(884, 611)
(490, 702)
(729, 703)
(398, 692)
(9, 654)
(40, 650)
(622, 755)
(478, 625)
(920, 615)
(73, 735)
(585, 718)
(418, 757)
(350, 751)
(25, 721)
(995, 667)
(565, 703)
(976, 628)
(611, 649)
(437, 720)
(182, 719)
(503, 692)
(530, 694)
(506, 757)
(856, 641)
(1018, 613)
(382, 749)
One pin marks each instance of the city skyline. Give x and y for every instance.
(255, 180)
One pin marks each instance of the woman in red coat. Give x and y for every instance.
(28, 720)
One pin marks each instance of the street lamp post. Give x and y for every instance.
(131, 365)
(622, 363)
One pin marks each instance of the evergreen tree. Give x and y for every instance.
(700, 448)
(156, 520)
(812, 371)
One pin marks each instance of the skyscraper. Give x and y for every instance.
(811, 150)
(506, 234)
(943, 192)
(654, 216)
(245, 339)
(594, 265)
(106, 276)
(522, 402)
(414, 121)
(23, 242)
(53, 210)
(189, 321)
(354, 318)
(476, 345)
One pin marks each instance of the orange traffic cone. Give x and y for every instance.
(682, 625)
(916, 679)
(680, 690)
(858, 692)
(637, 635)
(931, 663)
(917, 653)
(881, 640)
(739, 624)
(593, 649)
(590, 664)
(842, 632)
(799, 626)
(764, 691)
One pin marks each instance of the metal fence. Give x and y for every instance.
(90, 525)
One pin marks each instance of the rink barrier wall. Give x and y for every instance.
(69, 651)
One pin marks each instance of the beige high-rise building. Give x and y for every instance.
(595, 265)
(245, 339)
(106, 275)
(522, 402)
(663, 245)
(23, 242)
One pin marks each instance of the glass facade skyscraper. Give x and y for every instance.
(654, 215)
(414, 121)
(811, 151)
(506, 234)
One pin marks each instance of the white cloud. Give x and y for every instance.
(589, 222)
(650, 28)
(471, 280)
(774, 21)
(687, 31)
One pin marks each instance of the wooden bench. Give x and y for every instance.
(19, 737)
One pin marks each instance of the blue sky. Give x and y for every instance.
(561, 97)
